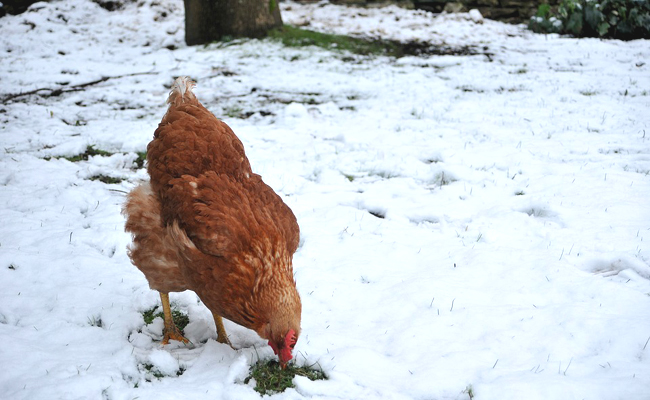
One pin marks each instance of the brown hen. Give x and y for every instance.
(205, 222)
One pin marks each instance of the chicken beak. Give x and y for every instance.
(283, 365)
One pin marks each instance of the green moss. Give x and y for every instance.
(292, 36)
(270, 378)
(296, 37)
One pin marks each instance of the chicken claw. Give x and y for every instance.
(222, 337)
(170, 331)
(173, 333)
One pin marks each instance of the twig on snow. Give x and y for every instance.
(73, 88)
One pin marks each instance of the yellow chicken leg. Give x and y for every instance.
(170, 331)
(221, 330)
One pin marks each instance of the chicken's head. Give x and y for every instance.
(284, 347)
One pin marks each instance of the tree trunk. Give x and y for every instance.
(210, 20)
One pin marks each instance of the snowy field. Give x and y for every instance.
(473, 227)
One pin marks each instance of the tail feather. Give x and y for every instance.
(182, 91)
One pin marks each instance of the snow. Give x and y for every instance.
(470, 224)
(163, 362)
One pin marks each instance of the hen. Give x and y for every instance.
(205, 222)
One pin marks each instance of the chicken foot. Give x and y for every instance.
(170, 331)
(221, 330)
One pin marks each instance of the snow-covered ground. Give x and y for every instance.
(472, 226)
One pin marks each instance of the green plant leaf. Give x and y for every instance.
(574, 24)
(593, 17)
(620, 19)
(543, 10)
(603, 28)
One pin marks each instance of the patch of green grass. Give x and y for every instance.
(157, 374)
(233, 111)
(349, 177)
(469, 89)
(90, 152)
(588, 92)
(150, 315)
(181, 320)
(291, 36)
(105, 179)
(142, 157)
(469, 390)
(502, 89)
(270, 378)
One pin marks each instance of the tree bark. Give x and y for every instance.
(210, 20)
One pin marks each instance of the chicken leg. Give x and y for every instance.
(221, 330)
(170, 331)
